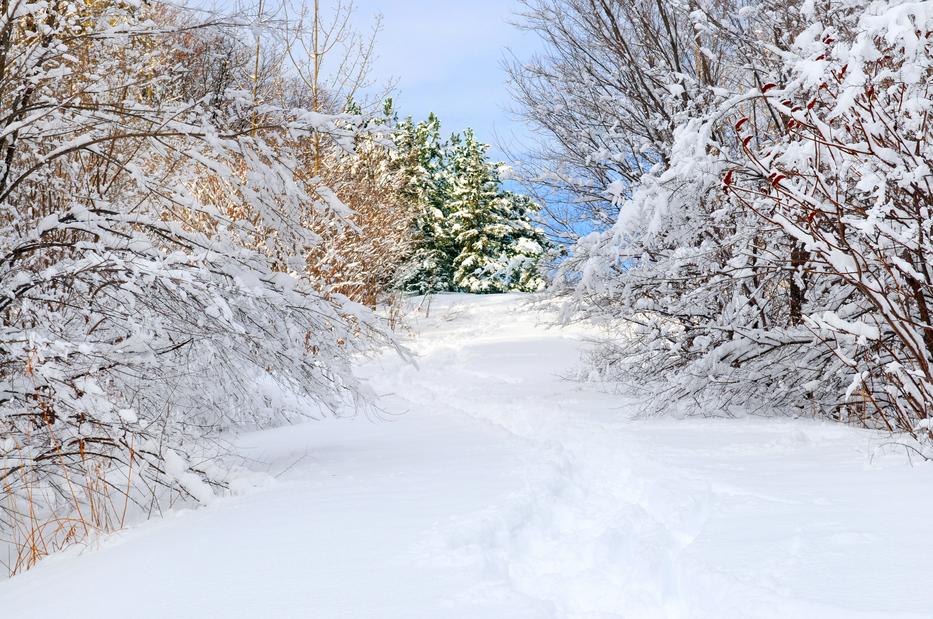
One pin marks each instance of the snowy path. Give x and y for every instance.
(505, 492)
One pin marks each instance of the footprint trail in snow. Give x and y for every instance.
(495, 488)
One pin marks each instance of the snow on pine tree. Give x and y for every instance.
(498, 246)
(470, 234)
(420, 160)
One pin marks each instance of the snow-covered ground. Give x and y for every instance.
(491, 487)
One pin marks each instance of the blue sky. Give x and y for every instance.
(447, 57)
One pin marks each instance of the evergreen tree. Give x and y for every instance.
(525, 245)
(470, 234)
(498, 247)
(421, 162)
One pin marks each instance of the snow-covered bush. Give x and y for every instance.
(700, 285)
(774, 256)
(850, 180)
(153, 247)
(366, 251)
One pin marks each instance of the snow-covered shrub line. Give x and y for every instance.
(776, 255)
(154, 240)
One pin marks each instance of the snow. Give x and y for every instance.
(490, 486)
